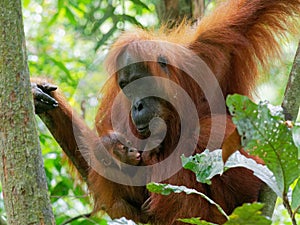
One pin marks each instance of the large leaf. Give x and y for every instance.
(248, 214)
(209, 164)
(205, 165)
(265, 134)
(166, 189)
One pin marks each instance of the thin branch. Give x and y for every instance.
(287, 205)
(87, 215)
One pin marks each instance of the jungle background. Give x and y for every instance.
(67, 41)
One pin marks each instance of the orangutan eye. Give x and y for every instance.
(162, 61)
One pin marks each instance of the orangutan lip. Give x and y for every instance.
(143, 129)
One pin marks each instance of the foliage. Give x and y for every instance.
(210, 163)
(166, 189)
(265, 133)
(246, 214)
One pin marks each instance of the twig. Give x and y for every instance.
(87, 215)
(295, 212)
(287, 205)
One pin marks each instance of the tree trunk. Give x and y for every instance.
(22, 174)
(172, 12)
(291, 100)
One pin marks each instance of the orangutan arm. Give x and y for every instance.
(63, 123)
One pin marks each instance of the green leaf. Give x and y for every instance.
(196, 221)
(61, 189)
(53, 19)
(60, 4)
(296, 197)
(296, 138)
(106, 36)
(63, 68)
(248, 214)
(130, 19)
(109, 12)
(210, 163)
(266, 135)
(166, 189)
(25, 3)
(205, 165)
(70, 16)
(140, 3)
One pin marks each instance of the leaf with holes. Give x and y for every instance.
(205, 165)
(265, 134)
(209, 164)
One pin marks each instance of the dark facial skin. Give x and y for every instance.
(145, 109)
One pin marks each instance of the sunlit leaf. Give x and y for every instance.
(140, 3)
(167, 189)
(196, 221)
(26, 3)
(209, 164)
(53, 19)
(266, 135)
(60, 4)
(248, 214)
(296, 197)
(70, 16)
(205, 165)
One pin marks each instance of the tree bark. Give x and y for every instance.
(290, 105)
(291, 100)
(21, 166)
(172, 12)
